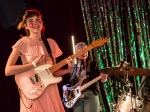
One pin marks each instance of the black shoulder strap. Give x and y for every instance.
(48, 48)
(73, 74)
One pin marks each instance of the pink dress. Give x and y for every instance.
(50, 100)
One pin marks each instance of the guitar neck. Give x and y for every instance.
(83, 50)
(63, 62)
(90, 83)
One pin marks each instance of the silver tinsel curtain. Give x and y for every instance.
(126, 23)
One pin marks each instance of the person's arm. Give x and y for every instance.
(61, 72)
(12, 69)
(104, 77)
(97, 73)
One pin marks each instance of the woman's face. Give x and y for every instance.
(34, 24)
(83, 56)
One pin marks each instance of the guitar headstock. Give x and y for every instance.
(99, 42)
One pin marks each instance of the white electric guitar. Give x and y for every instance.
(74, 92)
(33, 82)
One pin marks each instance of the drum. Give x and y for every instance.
(146, 107)
(128, 102)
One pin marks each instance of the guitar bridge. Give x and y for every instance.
(37, 89)
(35, 79)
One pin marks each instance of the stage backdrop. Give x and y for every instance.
(126, 24)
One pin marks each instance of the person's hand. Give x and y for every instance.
(104, 77)
(39, 59)
(70, 63)
(65, 90)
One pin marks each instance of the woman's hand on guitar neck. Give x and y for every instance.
(104, 77)
(70, 63)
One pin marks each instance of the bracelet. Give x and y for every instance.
(33, 63)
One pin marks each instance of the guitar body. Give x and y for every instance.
(73, 99)
(70, 99)
(76, 94)
(33, 82)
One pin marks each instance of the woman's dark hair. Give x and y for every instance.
(29, 13)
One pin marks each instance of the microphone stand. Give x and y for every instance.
(122, 62)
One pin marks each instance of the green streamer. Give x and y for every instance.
(119, 20)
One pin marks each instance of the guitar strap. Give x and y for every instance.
(73, 74)
(48, 49)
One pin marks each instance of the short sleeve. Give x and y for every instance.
(56, 51)
(19, 45)
(29, 47)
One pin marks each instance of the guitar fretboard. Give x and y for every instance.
(83, 50)
(90, 83)
(63, 62)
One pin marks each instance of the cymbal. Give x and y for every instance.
(123, 71)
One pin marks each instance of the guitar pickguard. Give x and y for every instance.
(35, 79)
(33, 86)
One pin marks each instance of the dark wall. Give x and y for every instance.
(10, 10)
